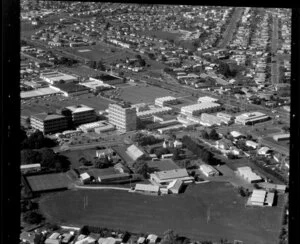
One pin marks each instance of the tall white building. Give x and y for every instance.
(122, 116)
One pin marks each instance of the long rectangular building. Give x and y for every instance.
(251, 118)
(163, 101)
(196, 109)
(48, 123)
(81, 114)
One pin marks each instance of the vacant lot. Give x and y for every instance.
(48, 104)
(48, 182)
(143, 94)
(205, 211)
(161, 165)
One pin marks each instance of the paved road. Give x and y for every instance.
(274, 47)
(228, 34)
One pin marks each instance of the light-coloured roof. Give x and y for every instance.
(172, 174)
(54, 235)
(57, 76)
(236, 133)
(134, 152)
(207, 168)
(199, 106)
(263, 150)
(258, 196)
(39, 92)
(85, 176)
(167, 98)
(207, 99)
(270, 198)
(146, 187)
(152, 111)
(79, 108)
(29, 166)
(251, 116)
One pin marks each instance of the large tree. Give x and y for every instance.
(142, 168)
(33, 217)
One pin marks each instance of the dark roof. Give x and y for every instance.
(45, 116)
(71, 87)
(107, 77)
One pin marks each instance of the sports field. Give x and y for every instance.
(205, 211)
(143, 94)
(48, 182)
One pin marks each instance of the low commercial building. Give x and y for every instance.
(251, 118)
(70, 89)
(152, 239)
(225, 116)
(247, 173)
(54, 77)
(175, 186)
(147, 189)
(208, 170)
(166, 177)
(196, 109)
(281, 137)
(49, 123)
(164, 101)
(85, 177)
(207, 99)
(113, 177)
(96, 85)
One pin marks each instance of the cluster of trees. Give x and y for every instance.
(145, 140)
(243, 192)
(141, 61)
(212, 135)
(229, 71)
(33, 217)
(104, 232)
(28, 205)
(283, 236)
(65, 61)
(36, 140)
(142, 168)
(47, 158)
(205, 155)
(96, 65)
(102, 163)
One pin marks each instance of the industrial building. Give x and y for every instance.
(80, 114)
(70, 89)
(122, 116)
(55, 77)
(147, 189)
(163, 101)
(96, 85)
(49, 123)
(247, 173)
(251, 118)
(196, 109)
(262, 198)
(152, 110)
(281, 137)
(208, 170)
(166, 177)
(210, 120)
(207, 99)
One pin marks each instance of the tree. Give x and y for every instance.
(33, 217)
(29, 156)
(204, 134)
(141, 168)
(169, 237)
(213, 135)
(176, 154)
(28, 205)
(100, 65)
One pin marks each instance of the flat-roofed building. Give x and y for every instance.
(208, 170)
(81, 114)
(251, 118)
(123, 117)
(199, 108)
(54, 77)
(225, 116)
(147, 188)
(247, 173)
(210, 120)
(98, 127)
(165, 177)
(207, 99)
(163, 101)
(262, 198)
(153, 110)
(281, 137)
(49, 123)
(113, 177)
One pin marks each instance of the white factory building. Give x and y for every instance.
(251, 118)
(196, 109)
(247, 173)
(54, 77)
(207, 99)
(261, 198)
(164, 101)
(208, 170)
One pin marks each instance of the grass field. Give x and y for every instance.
(48, 182)
(206, 211)
(164, 164)
(48, 104)
(143, 94)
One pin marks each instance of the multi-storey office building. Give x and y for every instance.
(122, 116)
(49, 123)
(81, 114)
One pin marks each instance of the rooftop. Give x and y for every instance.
(172, 174)
(47, 116)
(79, 108)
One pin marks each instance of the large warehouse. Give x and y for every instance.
(54, 77)
(247, 173)
(196, 109)
(251, 118)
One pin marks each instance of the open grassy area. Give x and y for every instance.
(161, 165)
(48, 104)
(205, 211)
(143, 94)
(161, 34)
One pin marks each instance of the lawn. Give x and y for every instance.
(206, 211)
(142, 94)
(161, 165)
(48, 182)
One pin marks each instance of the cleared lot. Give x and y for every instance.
(205, 211)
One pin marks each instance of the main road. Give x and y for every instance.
(274, 47)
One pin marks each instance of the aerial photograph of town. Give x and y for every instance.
(154, 124)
